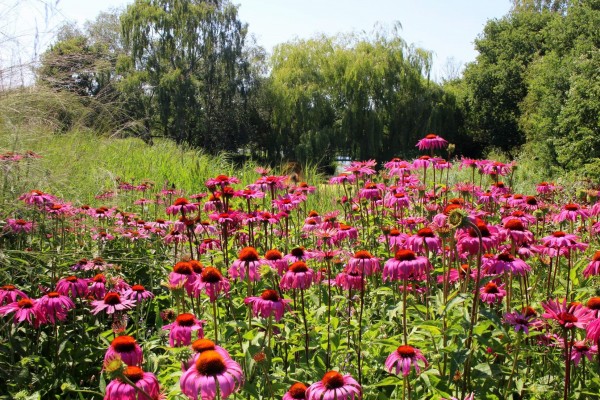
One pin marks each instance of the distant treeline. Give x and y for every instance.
(187, 70)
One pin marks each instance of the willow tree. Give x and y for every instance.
(187, 68)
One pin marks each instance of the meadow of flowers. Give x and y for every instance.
(400, 285)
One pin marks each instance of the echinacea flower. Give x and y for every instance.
(112, 303)
(520, 321)
(492, 293)
(212, 282)
(424, 239)
(298, 276)
(181, 330)
(138, 293)
(199, 346)
(403, 358)
(432, 142)
(568, 316)
(75, 286)
(334, 386)
(211, 370)
(183, 275)
(55, 306)
(181, 205)
(363, 262)
(19, 225)
(404, 265)
(126, 348)
(25, 310)
(274, 258)
(296, 392)
(268, 304)
(10, 293)
(582, 349)
(593, 268)
(248, 263)
(505, 262)
(146, 381)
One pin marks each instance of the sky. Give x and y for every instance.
(445, 27)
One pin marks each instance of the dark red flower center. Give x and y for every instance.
(491, 288)
(123, 344)
(405, 255)
(514, 225)
(185, 319)
(71, 279)
(529, 312)
(134, 373)
(25, 303)
(506, 257)
(248, 254)
(298, 266)
(425, 232)
(298, 252)
(596, 256)
(431, 136)
(138, 288)
(270, 295)
(566, 317)
(53, 295)
(210, 363)
(298, 391)
(196, 266)
(363, 254)
(10, 288)
(112, 298)
(273, 255)
(181, 201)
(571, 207)
(202, 345)
(394, 232)
(406, 351)
(211, 275)
(184, 268)
(333, 380)
(530, 200)
(313, 214)
(558, 234)
(594, 303)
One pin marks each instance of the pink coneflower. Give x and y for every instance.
(361, 167)
(424, 239)
(363, 262)
(183, 275)
(545, 188)
(181, 205)
(212, 283)
(221, 181)
(342, 179)
(350, 280)
(111, 303)
(270, 183)
(593, 330)
(505, 262)
(568, 316)
(396, 200)
(209, 244)
(296, 392)
(127, 349)
(37, 197)
(345, 232)
(298, 254)
(274, 258)
(10, 293)
(593, 268)
(334, 386)
(492, 293)
(370, 190)
(212, 369)
(468, 241)
(138, 293)
(403, 358)
(25, 310)
(75, 286)
(55, 306)
(286, 203)
(582, 349)
(199, 346)
(432, 142)
(520, 321)
(298, 276)
(268, 304)
(146, 381)
(405, 264)
(248, 263)
(395, 238)
(560, 239)
(19, 225)
(516, 231)
(570, 212)
(181, 330)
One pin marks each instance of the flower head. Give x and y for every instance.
(334, 386)
(403, 358)
(181, 330)
(211, 369)
(268, 304)
(117, 389)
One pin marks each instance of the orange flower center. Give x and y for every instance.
(431, 136)
(405, 255)
(491, 288)
(567, 317)
(112, 298)
(298, 391)
(425, 232)
(202, 345)
(594, 303)
(185, 319)
(71, 279)
(363, 254)
(273, 255)
(270, 295)
(571, 207)
(183, 267)
(559, 234)
(406, 351)
(181, 201)
(514, 225)
(134, 373)
(596, 256)
(138, 288)
(196, 266)
(25, 303)
(10, 288)
(123, 344)
(53, 295)
(248, 254)
(298, 252)
(211, 275)
(298, 266)
(210, 363)
(333, 380)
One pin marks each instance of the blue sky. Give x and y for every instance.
(445, 27)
